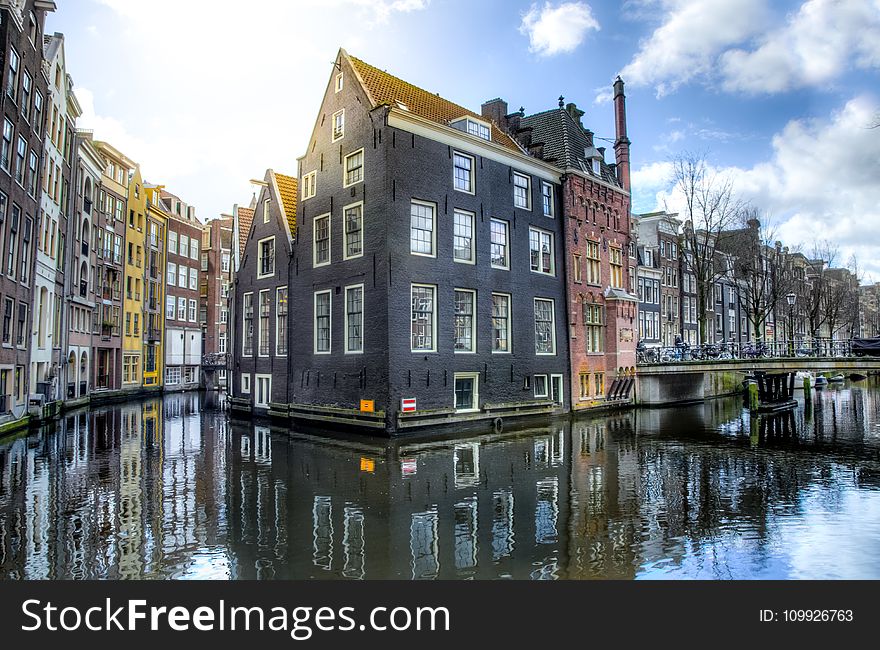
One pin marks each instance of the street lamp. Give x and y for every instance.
(791, 299)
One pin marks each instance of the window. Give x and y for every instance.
(224, 314)
(172, 375)
(182, 276)
(463, 321)
(264, 390)
(32, 174)
(466, 397)
(594, 263)
(246, 384)
(310, 184)
(422, 229)
(339, 79)
(322, 240)
(522, 191)
(354, 246)
(38, 113)
(463, 172)
(584, 380)
(338, 123)
(194, 248)
(8, 308)
(221, 343)
(248, 325)
(193, 279)
(172, 274)
(500, 322)
(170, 305)
(172, 242)
(192, 310)
(26, 249)
(26, 86)
(616, 255)
(599, 384)
(478, 129)
(354, 168)
(424, 323)
(500, 244)
(12, 240)
(576, 268)
(323, 301)
(354, 319)
(6, 150)
(22, 320)
(542, 386)
(280, 321)
(266, 213)
(265, 309)
(593, 321)
(545, 330)
(20, 153)
(547, 198)
(463, 237)
(181, 309)
(541, 251)
(224, 262)
(12, 82)
(266, 248)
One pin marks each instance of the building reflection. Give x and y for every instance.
(168, 488)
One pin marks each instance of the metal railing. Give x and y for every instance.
(818, 348)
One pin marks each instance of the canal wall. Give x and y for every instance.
(683, 387)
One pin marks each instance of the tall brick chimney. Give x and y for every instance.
(621, 143)
(495, 110)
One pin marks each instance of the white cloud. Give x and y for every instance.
(557, 29)
(742, 46)
(820, 182)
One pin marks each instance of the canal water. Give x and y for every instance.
(168, 488)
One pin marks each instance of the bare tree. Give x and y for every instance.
(822, 258)
(710, 207)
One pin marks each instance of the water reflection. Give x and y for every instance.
(167, 488)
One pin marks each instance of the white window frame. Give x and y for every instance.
(260, 274)
(334, 137)
(541, 232)
(193, 279)
(473, 293)
(473, 247)
(345, 310)
(345, 167)
(345, 209)
(476, 400)
(315, 262)
(528, 205)
(192, 311)
(315, 323)
(552, 213)
(552, 302)
(258, 317)
(506, 224)
(433, 288)
(278, 291)
(339, 82)
(546, 392)
(245, 383)
(171, 272)
(181, 309)
(472, 176)
(309, 185)
(509, 323)
(433, 208)
(268, 392)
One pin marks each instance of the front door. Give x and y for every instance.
(556, 389)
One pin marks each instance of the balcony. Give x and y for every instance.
(153, 334)
(106, 331)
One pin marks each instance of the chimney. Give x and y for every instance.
(621, 143)
(589, 135)
(576, 113)
(495, 110)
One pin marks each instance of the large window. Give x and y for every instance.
(424, 318)
(545, 330)
(248, 325)
(594, 263)
(616, 255)
(193, 306)
(26, 88)
(338, 125)
(500, 322)
(6, 148)
(172, 274)
(500, 244)
(354, 168)
(522, 195)
(547, 198)
(280, 321)
(354, 230)
(541, 251)
(463, 237)
(170, 306)
(309, 184)
(354, 319)
(172, 242)
(181, 308)
(463, 172)
(323, 301)
(265, 311)
(266, 257)
(264, 390)
(466, 391)
(193, 279)
(322, 240)
(464, 321)
(593, 321)
(182, 275)
(421, 240)
(12, 81)
(20, 153)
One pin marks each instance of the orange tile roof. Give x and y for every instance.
(287, 188)
(384, 88)
(245, 219)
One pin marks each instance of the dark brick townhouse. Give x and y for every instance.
(23, 100)
(214, 294)
(425, 276)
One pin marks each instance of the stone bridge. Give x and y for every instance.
(659, 384)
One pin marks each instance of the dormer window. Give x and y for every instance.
(597, 167)
(473, 126)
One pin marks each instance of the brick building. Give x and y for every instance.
(214, 291)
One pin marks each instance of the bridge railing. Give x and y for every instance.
(816, 348)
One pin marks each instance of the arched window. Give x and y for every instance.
(84, 236)
(83, 279)
(84, 374)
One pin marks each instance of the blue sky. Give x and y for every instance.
(779, 94)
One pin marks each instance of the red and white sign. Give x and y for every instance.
(409, 466)
(408, 405)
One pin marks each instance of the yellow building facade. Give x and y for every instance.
(134, 284)
(156, 229)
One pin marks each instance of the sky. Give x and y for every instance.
(779, 95)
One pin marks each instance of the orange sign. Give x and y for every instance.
(367, 406)
(368, 465)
